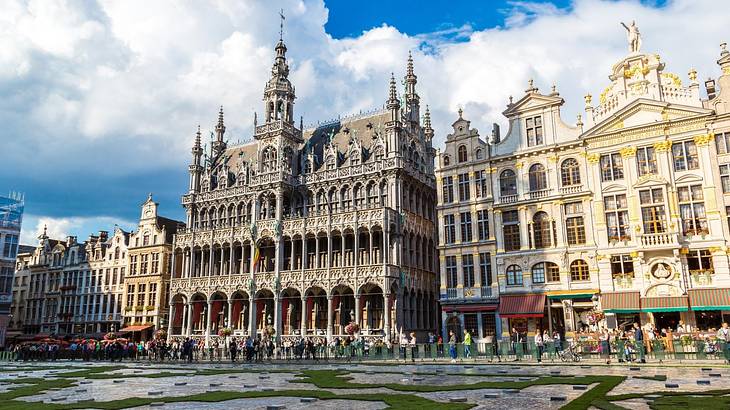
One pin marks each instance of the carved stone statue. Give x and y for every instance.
(352, 315)
(289, 313)
(366, 319)
(315, 315)
(633, 35)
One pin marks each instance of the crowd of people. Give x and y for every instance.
(628, 343)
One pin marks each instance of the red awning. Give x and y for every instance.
(470, 308)
(517, 306)
(137, 328)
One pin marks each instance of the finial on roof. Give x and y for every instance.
(393, 92)
(461, 112)
(410, 64)
(723, 49)
(281, 25)
(427, 118)
(554, 90)
(510, 100)
(531, 86)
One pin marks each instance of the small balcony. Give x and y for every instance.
(508, 199)
(542, 193)
(572, 189)
(659, 240)
(623, 281)
(451, 293)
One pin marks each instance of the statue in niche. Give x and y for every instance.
(366, 313)
(633, 35)
(315, 315)
(289, 313)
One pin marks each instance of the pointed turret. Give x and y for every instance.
(411, 97)
(393, 103)
(427, 130)
(195, 168)
(218, 146)
(279, 93)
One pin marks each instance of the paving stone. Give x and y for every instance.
(85, 382)
(671, 385)
(263, 377)
(84, 390)
(457, 399)
(653, 396)
(308, 400)
(511, 391)
(635, 368)
(703, 382)
(502, 371)
(180, 383)
(555, 372)
(215, 384)
(491, 396)
(154, 393)
(525, 379)
(275, 407)
(58, 398)
(707, 369)
(580, 387)
(212, 391)
(249, 386)
(404, 380)
(369, 372)
(418, 379)
(558, 398)
(233, 377)
(715, 375)
(468, 367)
(585, 367)
(267, 389)
(118, 381)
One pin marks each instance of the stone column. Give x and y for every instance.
(304, 252)
(303, 323)
(316, 252)
(189, 330)
(370, 251)
(277, 315)
(386, 314)
(208, 323)
(291, 258)
(230, 314)
(330, 318)
(231, 262)
(172, 320)
(358, 314)
(251, 316)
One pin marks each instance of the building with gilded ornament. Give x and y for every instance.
(305, 231)
(620, 215)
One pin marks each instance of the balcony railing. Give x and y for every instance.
(571, 189)
(451, 293)
(659, 239)
(542, 193)
(508, 199)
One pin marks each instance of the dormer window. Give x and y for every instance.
(479, 154)
(447, 160)
(462, 153)
(533, 125)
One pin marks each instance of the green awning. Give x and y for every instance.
(572, 296)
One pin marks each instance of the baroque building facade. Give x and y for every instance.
(149, 263)
(622, 212)
(101, 293)
(309, 230)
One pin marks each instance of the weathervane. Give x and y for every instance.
(281, 24)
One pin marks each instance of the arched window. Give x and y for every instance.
(383, 193)
(538, 273)
(579, 271)
(330, 162)
(542, 230)
(372, 194)
(321, 201)
(507, 183)
(447, 160)
(268, 159)
(332, 199)
(538, 180)
(358, 196)
(570, 172)
(308, 167)
(479, 154)
(345, 196)
(462, 153)
(514, 275)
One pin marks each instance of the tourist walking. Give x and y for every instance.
(233, 349)
(452, 346)
(724, 335)
(539, 345)
(639, 339)
(495, 347)
(467, 344)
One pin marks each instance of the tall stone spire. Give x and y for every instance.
(393, 103)
(279, 93)
(411, 97)
(195, 169)
(218, 146)
(427, 130)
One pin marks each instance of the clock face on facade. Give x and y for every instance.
(148, 213)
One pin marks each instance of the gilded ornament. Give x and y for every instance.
(593, 158)
(674, 78)
(628, 152)
(552, 158)
(692, 74)
(588, 98)
(519, 165)
(662, 146)
(704, 139)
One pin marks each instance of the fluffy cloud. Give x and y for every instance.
(101, 100)
(60, 228)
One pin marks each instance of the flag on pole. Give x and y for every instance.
(256, 257)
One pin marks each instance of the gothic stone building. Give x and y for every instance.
(341, 217)
(623, 212)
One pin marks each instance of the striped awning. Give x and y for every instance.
(709, 299)
(520, 306)
(620, 302)
(665, 304)
(572, 294)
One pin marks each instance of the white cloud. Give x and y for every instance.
(60, 228)
(120, 86)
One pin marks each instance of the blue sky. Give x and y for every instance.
(101, 99)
